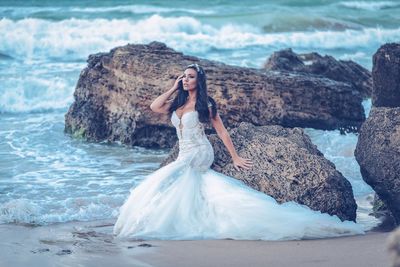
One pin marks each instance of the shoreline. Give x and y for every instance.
(91, 244)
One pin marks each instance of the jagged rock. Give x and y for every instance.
(339, 70)
(378, 153)
(394, 247)
(114, 91)
(386, 76)
(378, 147)
(288, 167)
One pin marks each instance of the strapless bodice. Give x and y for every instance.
(189, 128)
(194, 147)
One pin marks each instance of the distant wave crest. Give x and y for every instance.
(28, 11)
(364, 5)
(77, 38)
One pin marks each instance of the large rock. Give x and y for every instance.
(386, 76)
(326, 66)
(394, 247)
(114, 92)
(378, 153)
(378, 147)
(287, 166)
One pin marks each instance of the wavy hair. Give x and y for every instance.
(202, 99)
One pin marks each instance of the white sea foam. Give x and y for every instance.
(339, 149)
(354, 57)
(33, 93)
(76, 38)
(19, 211)
(48, 177)
(366, 5)
(141, 9)
(44, 212)
(367, 104)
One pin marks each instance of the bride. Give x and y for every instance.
(187, 200)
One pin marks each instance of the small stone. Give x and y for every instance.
(41, 250)
(64, 252)
(145, 245)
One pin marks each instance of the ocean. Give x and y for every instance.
(47, 177)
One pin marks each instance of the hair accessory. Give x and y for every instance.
(195, 65)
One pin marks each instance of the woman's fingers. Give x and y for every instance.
(247, 161)
(247, 164)
(244, 166)
(179, 77)
(242, 163)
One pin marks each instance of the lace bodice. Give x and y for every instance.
(194, 148)
(188, 128)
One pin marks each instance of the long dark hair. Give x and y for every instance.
(202, 98)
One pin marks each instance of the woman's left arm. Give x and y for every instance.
(226, 139)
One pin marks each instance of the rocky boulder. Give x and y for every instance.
(386, 76)
(338, 70)
(378, 147)
(378, 153)
(115, 90)
(288, 168)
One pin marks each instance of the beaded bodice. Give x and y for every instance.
(189, 129)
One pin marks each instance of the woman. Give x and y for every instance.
(187, 200)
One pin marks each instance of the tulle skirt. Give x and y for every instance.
(179, 202)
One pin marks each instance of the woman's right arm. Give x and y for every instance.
(161, 103)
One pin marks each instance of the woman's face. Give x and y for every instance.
(189, 80)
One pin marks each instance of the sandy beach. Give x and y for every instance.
(91, 244)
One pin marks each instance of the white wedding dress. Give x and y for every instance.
(187, 200)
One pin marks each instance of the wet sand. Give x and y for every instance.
(91, 244)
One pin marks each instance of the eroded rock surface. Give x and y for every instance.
(114, 91)
(378, 147)
(327, 66)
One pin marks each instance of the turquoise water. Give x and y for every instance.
(46, 177)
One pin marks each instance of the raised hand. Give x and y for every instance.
(176, 84)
